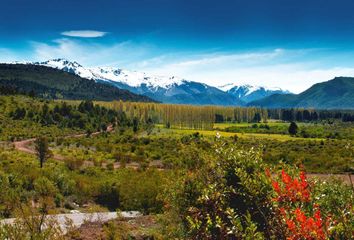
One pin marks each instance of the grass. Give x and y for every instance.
(212, 133)
(246, 125)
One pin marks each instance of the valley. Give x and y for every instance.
(176, 120)
(135, 156)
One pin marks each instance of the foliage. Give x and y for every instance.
(23, 117)
(233, 196)
(205, 186)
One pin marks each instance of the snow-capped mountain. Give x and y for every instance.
(161, 88)
(131, 78)
(248, 93)
(165, 89)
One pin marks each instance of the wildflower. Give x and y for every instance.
(218, 136)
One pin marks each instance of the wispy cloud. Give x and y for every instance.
(90, 53)
(290, 69)
(84, 33)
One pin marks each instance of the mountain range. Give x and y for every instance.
(249, 93)
(60, 78)
(336, 93)
(170, 89)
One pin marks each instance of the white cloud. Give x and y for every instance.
(221, 58)
(89, 54)
(84, 34)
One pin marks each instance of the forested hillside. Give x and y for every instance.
(55, 84)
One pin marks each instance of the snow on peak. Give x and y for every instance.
(131, 78)
(138, 79)
(67, 66)
(247, 89)
(134, 78)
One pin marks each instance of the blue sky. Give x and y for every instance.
(285, 43)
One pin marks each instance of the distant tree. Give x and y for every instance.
(219, 118)
(19, 113)
(88, 132)
(104, 127)
(149, 126)
(32, 93)
(257, 117)
(234, 138)
(86, 106)
(293, 128)
(42, 150)
(135, 124)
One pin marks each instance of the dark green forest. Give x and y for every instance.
(51, 83)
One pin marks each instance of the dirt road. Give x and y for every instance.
(77, 219)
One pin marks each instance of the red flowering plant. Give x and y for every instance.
(291, 189)
(299, 214)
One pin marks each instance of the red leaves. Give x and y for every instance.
(267, 172)
(291, 195)
(276, 187)
(303, 227)
(292, 189)
(291, 225)
(285, 177)
(300, 216)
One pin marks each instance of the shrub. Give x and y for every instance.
(74, 163)
(234, 196)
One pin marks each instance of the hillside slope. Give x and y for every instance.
(52, 83)
(336, 93)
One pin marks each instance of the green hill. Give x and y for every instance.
(336, 93)
(56, 84)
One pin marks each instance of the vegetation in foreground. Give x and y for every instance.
(193, 186)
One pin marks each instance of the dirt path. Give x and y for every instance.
(347, 178)
(24, 145)
(78, 219)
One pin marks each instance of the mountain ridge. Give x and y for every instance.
(335, 93)
(171, 89)
(249, 93)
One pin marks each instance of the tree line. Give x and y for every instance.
(310, 115)
(203, 117)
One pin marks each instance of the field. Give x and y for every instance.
(270, 122)
(213, 133)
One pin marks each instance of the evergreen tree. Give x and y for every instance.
(135, 124)
(293, 128)
(257, 117)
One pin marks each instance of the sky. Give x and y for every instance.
(290, 44)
